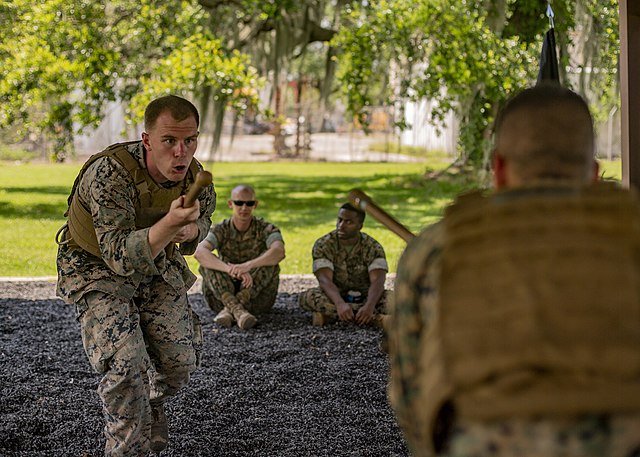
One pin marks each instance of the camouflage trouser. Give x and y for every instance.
(315, 300)
(146, 349)
(590, 436)
(263, 291)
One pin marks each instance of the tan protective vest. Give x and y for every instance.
(152, 204)
(539, 305)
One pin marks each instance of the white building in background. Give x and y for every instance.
(422, 133)
(341, 146)
(112, 129)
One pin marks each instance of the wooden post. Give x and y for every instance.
(630, 91)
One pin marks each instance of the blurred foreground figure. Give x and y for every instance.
(118, 262)
(516, 322)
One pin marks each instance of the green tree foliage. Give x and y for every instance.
(63, 59)
(468, 55)
(285, 38)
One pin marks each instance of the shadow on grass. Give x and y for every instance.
(305, 201)
(292, 201)
(48, 190)
(36, 207)
(50, 211)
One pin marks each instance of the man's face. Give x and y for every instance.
(242, 204)
(170, 147)
(348, 224)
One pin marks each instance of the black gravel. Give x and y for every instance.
(284, 388)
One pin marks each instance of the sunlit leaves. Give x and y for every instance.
(200, 62)
(468, 55)
(62, 60)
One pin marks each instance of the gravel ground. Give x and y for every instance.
(284, 388)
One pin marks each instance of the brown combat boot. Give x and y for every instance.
(319, 319)
(224, 318)
(380, 320)
(244, 296)
(159, 428)
(244, 318)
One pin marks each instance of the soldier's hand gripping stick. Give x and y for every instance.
(203, 179)
(361, 200)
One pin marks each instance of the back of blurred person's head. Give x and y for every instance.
(544, 133)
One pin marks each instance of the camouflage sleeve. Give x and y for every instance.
(378, 258)
(272, 233)
(322, 253)
(212, 239)
(374, 255)
(111, 195)
(219, 234)
(415, 293)
(207, 207)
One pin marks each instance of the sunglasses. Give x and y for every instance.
(243, 202)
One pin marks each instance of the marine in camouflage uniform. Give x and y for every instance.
(500, 334)
(138, 329)
(351, 268)
(242, 279)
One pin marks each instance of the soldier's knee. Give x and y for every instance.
(304, 300)
(178, 361)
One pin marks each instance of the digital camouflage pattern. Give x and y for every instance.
(315, 300)
(146, 349)
(350, 268)
(237, 247)
(109, 192)
(588, 436)
(413, 310)
(138, 329)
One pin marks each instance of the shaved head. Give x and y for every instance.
(240, 188)
(546, 132)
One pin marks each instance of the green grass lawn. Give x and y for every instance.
(301, 198)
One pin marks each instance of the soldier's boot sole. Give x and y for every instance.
(224, 318)
(319, 319)
(246, 321)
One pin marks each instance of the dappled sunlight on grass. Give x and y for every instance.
(301, 198)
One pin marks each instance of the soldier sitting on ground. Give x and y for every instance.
(242, 280)
(515, 329)
(351, 269)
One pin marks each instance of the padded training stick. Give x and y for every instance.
(361, 200)
(203, 179)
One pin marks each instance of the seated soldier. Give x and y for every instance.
(516, 324)
(242, 280)
(351, 268)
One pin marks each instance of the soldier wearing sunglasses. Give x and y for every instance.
(242, 279)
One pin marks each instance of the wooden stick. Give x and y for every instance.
(203, 179)
(361, 200)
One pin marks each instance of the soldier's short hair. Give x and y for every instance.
(180, 109)
(240, 187)
(349, 207)
(547, 131)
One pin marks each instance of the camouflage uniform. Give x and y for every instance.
(238, 247)
(413, 314)
(138, 329)
(350, 268)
